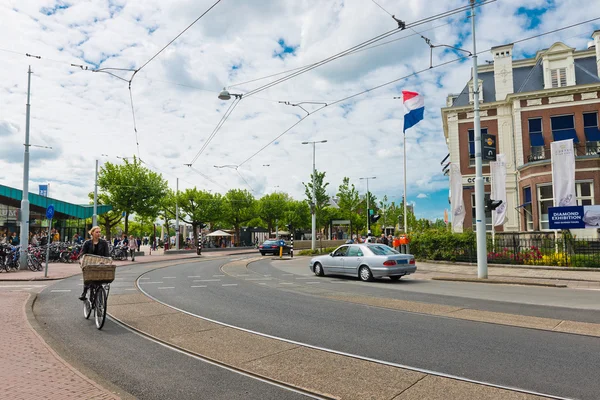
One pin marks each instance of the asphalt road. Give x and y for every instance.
(547, 362)
(142, 368)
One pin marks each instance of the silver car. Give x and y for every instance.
(366, 261)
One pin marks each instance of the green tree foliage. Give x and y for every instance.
(272, 207)
(198, 207)
(239, 208)
(298, 214)
(322, 200)
(132, 188)
(108, 220)
(350, 204)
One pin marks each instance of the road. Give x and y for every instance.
(547, 362)
(118, 357)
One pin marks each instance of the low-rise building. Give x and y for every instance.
(527, 104)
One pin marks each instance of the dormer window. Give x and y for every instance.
(471, 97)
(559, 77)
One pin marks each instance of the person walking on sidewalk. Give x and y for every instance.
(96, 246)
(132, 247)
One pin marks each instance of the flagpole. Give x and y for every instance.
(405, 200)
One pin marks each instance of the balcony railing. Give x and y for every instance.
(539, 153)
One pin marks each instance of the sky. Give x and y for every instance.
(86, 116)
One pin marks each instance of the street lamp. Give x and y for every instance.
(313, 242)
(225, 95)
(368, 202)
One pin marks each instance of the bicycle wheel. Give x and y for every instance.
(31, 264)
(100, 307)
(87, 303)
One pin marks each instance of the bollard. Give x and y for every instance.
(292, 247)
(280, 251)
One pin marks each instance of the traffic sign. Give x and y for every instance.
(50, 211)
(489, 147)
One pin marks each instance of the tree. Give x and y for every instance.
(168, 207)
(110, 219)
(272, 207)
(239, 208)
(198, 207)
(298, 214)
(132, 188)
(322, 200)
(349, 203)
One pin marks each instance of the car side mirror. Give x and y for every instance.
(331, 254)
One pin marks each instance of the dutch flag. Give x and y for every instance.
(415, 106)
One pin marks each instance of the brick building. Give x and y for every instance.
(527, 104)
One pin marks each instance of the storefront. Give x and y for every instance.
(69, 219)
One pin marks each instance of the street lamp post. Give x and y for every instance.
(313, 240)
(368, 202)
(24, 214)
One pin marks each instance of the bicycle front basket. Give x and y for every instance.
(89, 259)
(98, 273)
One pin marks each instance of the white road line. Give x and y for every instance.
(22, 286)
(207, 280)
(285, 283)
(144, 278)
(262, 283)
(166, 287)
(310, 277)
(60, 290)
(131, 289)
(169, 277)
(268, 275)
(149, 282)
(195, 276)
(239, 275)
(217, 275)
(311, 283)
(229, 284)
(258, 279)
(199, 286)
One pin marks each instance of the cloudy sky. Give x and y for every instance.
(85, 115)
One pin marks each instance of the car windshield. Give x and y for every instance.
(382, 250)
(271, 242)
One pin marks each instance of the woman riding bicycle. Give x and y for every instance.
(96, 246)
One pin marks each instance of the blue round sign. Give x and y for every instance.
(50, 211)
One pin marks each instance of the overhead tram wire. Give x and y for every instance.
(408, 76)
(363, 45)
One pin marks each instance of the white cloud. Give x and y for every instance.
(422, 196)
(83, 114)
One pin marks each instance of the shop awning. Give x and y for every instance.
(62, 209)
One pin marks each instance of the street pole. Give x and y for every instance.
(368, 210)
(25, 197)
(177, 217)
(482, 272)
(405, 198)
(313, 243)
(95, 215)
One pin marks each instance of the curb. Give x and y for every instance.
(497, 281)
(541, 267)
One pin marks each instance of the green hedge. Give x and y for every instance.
(439, 244)
(316, 252)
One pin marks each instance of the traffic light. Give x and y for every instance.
(374, 218)
(312, 207)
(289, 226)
(491, 205)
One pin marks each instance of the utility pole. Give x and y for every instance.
(24, 214)
(480, 227)
(313, 241)
(95, 215)
(177, 217)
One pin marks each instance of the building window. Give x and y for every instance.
(488, 214)
(584, 196)
(592, 133)
(559, 77)
(536, 138)
(585, 193)
(545, 201)
(484, 131)
(528, 209)
(563, 128)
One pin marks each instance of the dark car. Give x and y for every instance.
(272, 247)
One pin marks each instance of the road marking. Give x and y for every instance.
(268, 275)
(229, 284)
(166, 287)
(149, 282)
(131, 289)
(207, 280)
(214, 276)
(310, 277)
(285, 283)
(169, 277)
(199, 286)
(60, 290)
(239, 275)
(144, 278)
(258, 279)
(262, 283)
(195, 276)
(22, 286)
(311, 283)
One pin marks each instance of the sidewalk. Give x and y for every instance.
(571, 277)
(29, 368)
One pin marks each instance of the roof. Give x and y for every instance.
(529, 79)
(62, 209)
(218, 233)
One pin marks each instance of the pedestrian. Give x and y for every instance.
(139, 244)
(14, 239)
(96, 246)
(384, 239)
(132, 247)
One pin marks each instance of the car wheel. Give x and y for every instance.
(365, 274)
(318, 269)
(262, 253)
(395, 278)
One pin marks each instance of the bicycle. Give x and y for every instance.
(98, 273)
(96, 299)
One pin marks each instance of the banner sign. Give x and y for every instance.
(498, 172)
(563, 173)
(44, 190)
(456, 198)
(577, 217)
